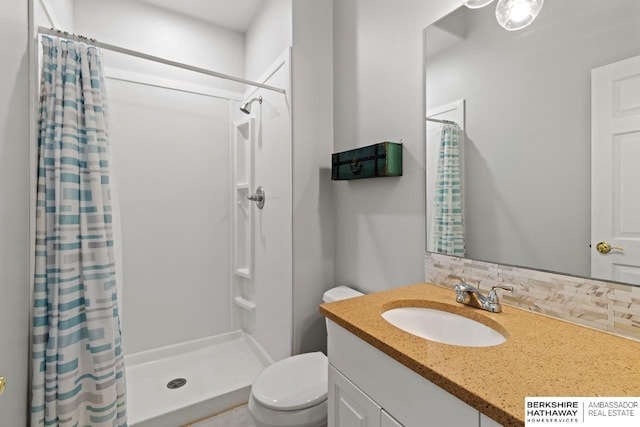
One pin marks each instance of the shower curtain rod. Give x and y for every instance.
(114, 48)
(446, 122)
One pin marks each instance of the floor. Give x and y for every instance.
(236, 417)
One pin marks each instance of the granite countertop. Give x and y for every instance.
(542, 356)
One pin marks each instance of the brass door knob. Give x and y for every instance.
(605, 248)
(3, 385)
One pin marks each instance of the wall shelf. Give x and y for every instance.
(242, 215)
(244, 303)
(378, 160)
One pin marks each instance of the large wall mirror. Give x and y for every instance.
(529, 103)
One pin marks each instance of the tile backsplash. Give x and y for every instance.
(602, 305)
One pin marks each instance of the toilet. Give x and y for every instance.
(293, 391)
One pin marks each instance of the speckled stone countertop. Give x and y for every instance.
(542, 356)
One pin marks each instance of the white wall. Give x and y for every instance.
(63, 10)
(267, 37)
(54, 13)
(14, 211)
(155, 31)
(272, 224)
(312, 88)
(379, 96)
(170, 152)
(171, 161)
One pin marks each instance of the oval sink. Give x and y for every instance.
(443, 327)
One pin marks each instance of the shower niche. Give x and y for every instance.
(242, 226)
(242, 161)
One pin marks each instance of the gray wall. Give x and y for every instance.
(378, 96)
(528, 136)
(14, 210)
(312, 89)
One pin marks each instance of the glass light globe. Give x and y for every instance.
(476, 4)
(516, 14)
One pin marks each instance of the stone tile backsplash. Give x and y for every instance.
(602, 305)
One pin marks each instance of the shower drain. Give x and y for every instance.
(176, 383)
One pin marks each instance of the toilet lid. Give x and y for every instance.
(296, 382)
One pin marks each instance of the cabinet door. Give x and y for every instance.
(387, 420)
(348, 405)
(488, 422)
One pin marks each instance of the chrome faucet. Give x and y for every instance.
(470, 295)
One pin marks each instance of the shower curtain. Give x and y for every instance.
(78, 369)
(447, 227)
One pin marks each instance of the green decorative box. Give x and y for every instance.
(377, 160)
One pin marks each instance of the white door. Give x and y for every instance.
(615, 175)
(348, 405)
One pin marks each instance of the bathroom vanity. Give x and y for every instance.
(369, 388)
(380, 375)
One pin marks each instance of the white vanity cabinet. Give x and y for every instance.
(351, 407)
(367, 388)
(348, 405)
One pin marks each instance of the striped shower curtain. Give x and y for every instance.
(447, 228)
(78, 370)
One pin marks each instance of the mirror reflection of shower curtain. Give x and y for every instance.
(447, 226)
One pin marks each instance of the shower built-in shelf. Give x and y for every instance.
(242, 162)
(243, 272)
(244, 303)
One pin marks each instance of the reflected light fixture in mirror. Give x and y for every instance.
(516, 14)
(476, 4)
(511, 14)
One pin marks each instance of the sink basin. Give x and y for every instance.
(443, 327)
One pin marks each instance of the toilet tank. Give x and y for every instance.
(340, 292)
(336, 294)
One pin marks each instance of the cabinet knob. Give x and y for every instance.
(3, 384)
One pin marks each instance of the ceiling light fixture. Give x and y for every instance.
(516, 14)
(511, 14)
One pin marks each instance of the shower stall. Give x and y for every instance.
(205, 271)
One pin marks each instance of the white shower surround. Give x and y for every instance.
(220, 367)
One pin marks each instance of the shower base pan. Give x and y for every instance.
(179, 384)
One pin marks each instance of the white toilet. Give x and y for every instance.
(293, 391)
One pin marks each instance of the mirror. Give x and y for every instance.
(523, 101)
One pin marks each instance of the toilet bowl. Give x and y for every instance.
(293, 391)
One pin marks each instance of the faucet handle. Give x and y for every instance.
(461, 280)
(493, 295)
(462, 287)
